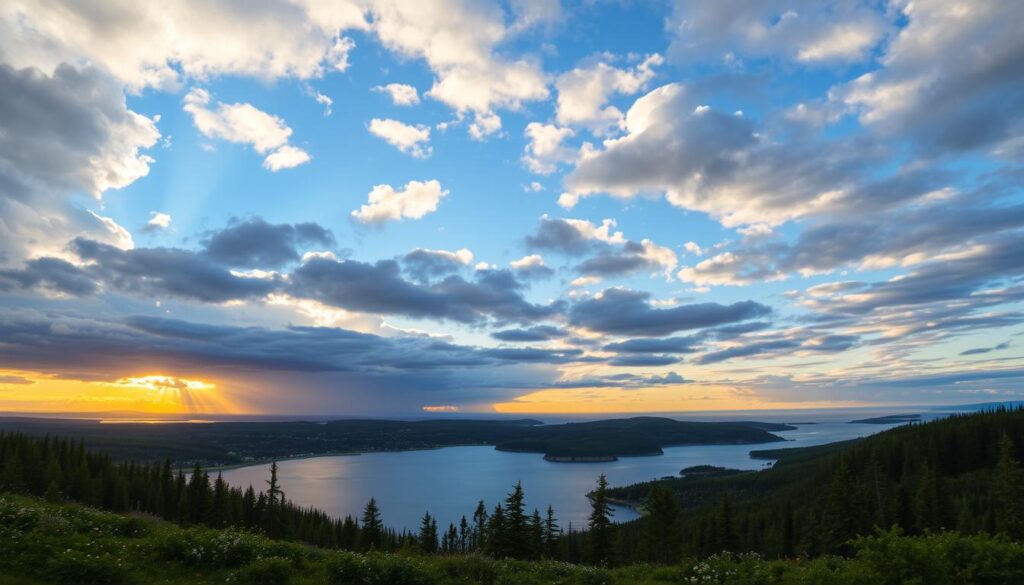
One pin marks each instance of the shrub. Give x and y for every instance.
(77, 568)
(269, 571)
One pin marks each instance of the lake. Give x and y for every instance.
(449, 481)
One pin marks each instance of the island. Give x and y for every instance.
(889, 420)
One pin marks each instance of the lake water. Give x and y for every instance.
(449, 481)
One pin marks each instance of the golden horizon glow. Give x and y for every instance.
(150, 394)
(648, 400)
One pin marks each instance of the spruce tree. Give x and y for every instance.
(372, 532)
(428, 534)
(551, 534)
(662, 537)
(1007, 490)
(599, 526)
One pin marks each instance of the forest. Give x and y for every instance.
(946, 492)
(232, 443)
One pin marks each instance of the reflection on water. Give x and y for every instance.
(448, 482)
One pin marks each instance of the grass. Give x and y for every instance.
(44, 543)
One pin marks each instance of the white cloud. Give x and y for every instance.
(158, 220)
(411, 140)
(457, 39)
(245, 124)
(321, 99)
(400, 93)
(527, 262)
(285, 157)
(583, 93)
(413, 201)
(693, 248)
(585, 281)
(544, 150)
(149, 44)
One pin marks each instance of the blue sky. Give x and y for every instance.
(397, 208)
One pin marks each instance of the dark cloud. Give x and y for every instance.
(51, 274)
(254, 243)
(653, 345)
(559, 236)
(173, 272)
(425, 265)
(536, 333)
(981, 350)
(771, 346)
(379, 288)
(627, 312)
(633, 360)
(624, 380)
(534, 354)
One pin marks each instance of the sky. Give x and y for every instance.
(382, 207)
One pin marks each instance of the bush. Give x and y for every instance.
(77, 568)
(269, 571)
(376, 569)
(196, 547)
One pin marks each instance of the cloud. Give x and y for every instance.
(803, 31)
(150, 45)
(572, 237)
(627, 312)
(255, 243)
(400, 93)
(544, 150)
(158, 221)
(245, 124)
(583, 93)
(535, 333)
(413, 201)
(629, 258)
(379, 288)
(62, 134)
(650, 345)
(412, 140)
(951, 80)
(981, 350)
(642, 360)
(759, 347)
(719, 163)
(286, 157)
(425, 264)
(531, 267)
(457, 39)
(49, 274)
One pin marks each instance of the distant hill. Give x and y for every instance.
(235, 443)
(889, 420)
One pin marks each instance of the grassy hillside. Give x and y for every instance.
(69, 544)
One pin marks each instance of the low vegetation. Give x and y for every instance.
(44, 543)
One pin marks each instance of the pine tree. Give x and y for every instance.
(1007, 490)
(662, 537)
(479, 536)
(551, 534)
(516, 529)
(428, 534)
(788, 532)
(599, 527)
(372, 532)
(838, 522)
(725, 527)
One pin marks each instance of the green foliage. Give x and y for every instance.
(43, 543)
(269, 571)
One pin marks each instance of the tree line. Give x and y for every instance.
(960, 473)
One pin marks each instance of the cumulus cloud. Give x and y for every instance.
(255, 243)
(572, 237)
(413, 201)
(628, 312)
(400, 93)
(583, 93)
(152, 45)
(245, 124)
(716, 162)
(424, 264)
(804, 31)
(61, 134)
(412, 140)
(951, 79)
(544, 150)
(158, 221)
(531, 266)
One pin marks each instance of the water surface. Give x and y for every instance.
(449, 481)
